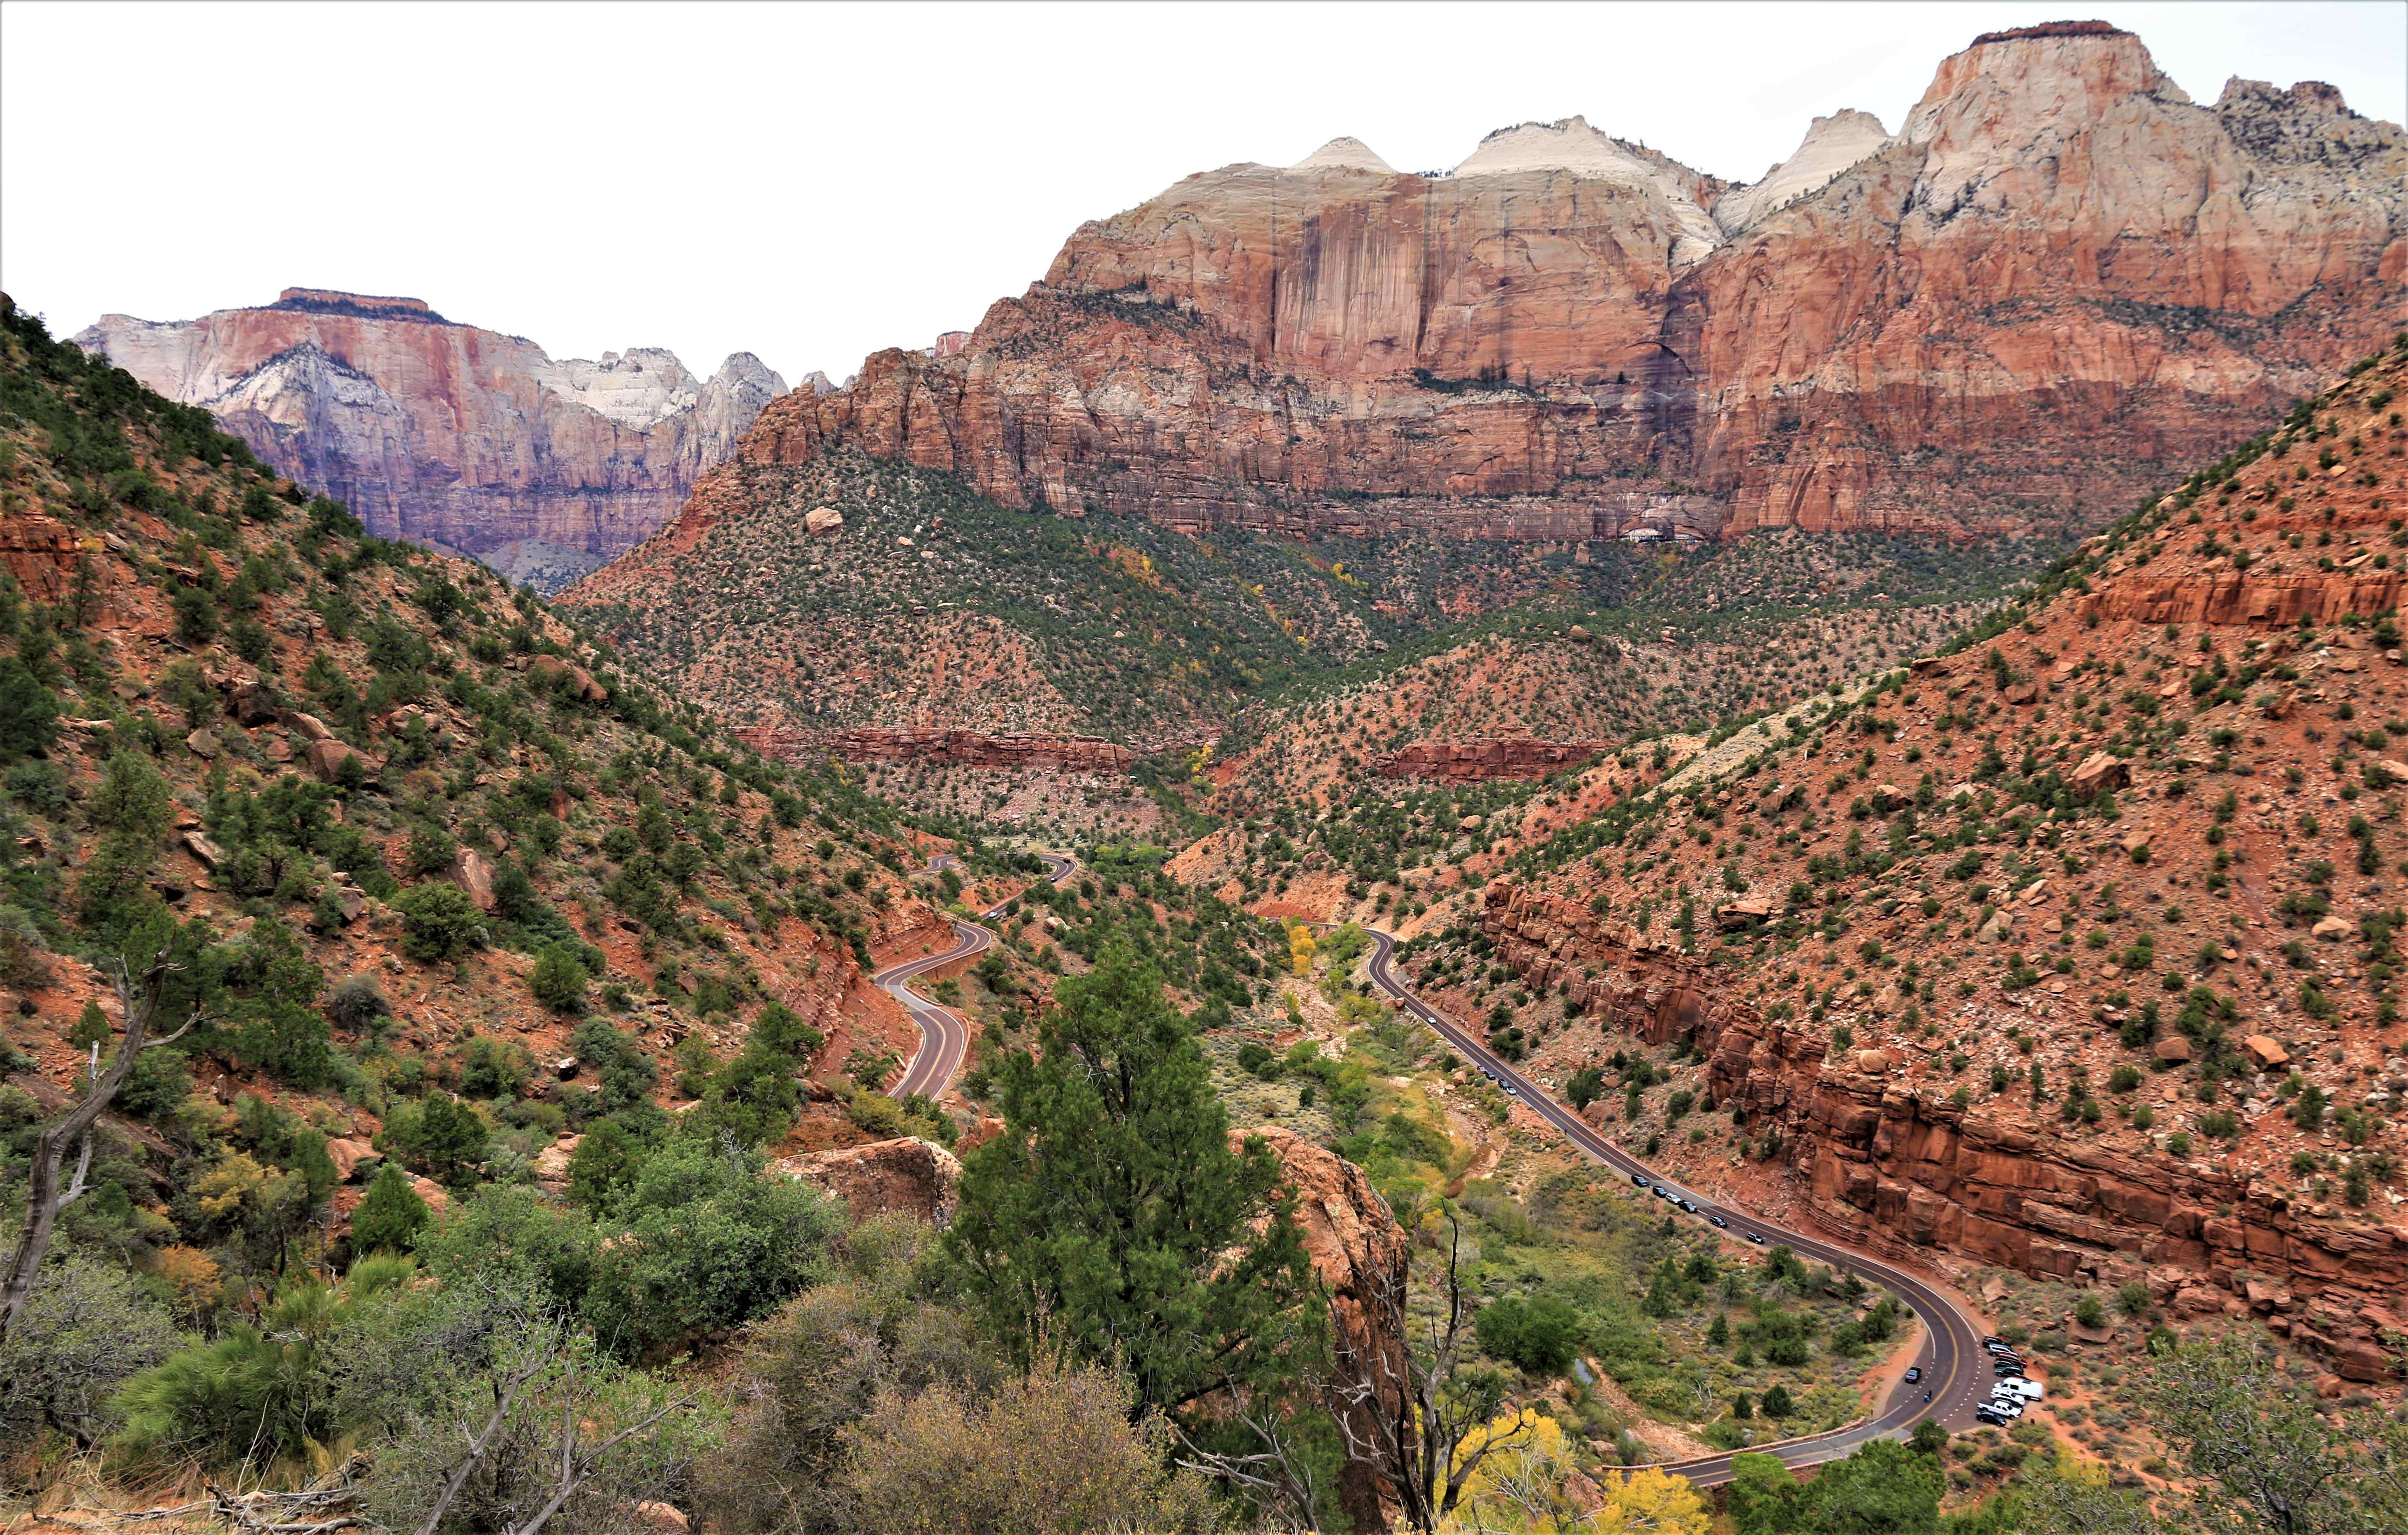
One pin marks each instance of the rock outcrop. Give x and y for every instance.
(2058, 276)
(906, 1175)
(1358, 1254)
(447, 432)
(1480, 761)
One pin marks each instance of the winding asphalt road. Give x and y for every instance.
(944, 1034)
(1955, 1368)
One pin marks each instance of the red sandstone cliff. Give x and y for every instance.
(2060, 275)
(433, 430)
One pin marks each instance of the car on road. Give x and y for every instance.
(1756, 1237)
(1640, 1179)
(1718, 1220)
(1687, 1205)
(1511, 1091)
(1914, 1374)
(1658, 1189)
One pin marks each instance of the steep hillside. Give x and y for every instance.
(449, 434)
(408, 834)
(2057, 278)
(894, 614)
(2070, 949)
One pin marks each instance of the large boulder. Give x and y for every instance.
(908, 1174)
(473, 872)
(2098, 773)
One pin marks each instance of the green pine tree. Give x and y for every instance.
(389, 1218)
(1113, 1217)
(91, 1028)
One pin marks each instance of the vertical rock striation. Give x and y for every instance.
(2061, 275)
(448, 432)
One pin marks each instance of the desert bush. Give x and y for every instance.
(704, 1241)
(564, 1385)
(438, 922)
(1052, 1454)
(86, 1329)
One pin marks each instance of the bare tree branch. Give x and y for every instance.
(482, 1440)
(43, 1195)
(576, 1469)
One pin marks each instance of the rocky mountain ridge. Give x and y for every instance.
(2059, 275)
(450, 434)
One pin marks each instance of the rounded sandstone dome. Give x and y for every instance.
(1344, 154)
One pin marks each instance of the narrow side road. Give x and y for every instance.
(944, 1034)
(1956, 1370)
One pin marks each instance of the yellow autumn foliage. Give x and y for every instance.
(1301, 947)
(1526, 1485)
(223, 1189)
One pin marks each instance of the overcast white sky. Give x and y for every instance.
(813, 182)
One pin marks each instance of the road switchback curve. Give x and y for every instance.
(944, 1034)
(1955, 1366)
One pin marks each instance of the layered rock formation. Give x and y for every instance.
(2061, 275)
(1899, 1168)
(447, 432)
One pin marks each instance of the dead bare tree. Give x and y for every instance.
(1410, 1412)
(45, 1198)
(480, 1441)
(576, 1465)
(1280, 1471)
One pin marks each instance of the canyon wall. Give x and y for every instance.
(1900, 1170)
(2060, 275)
(447, 432)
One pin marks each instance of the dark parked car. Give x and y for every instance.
(1640, 1179)
(1687, 1205)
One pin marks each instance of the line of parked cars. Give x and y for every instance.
(2012, 1391)
(1677, 1202)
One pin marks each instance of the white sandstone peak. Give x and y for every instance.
(640, 387)
(1831, 145)
(1344, 154)
(1572, 145)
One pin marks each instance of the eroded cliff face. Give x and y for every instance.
(445, 432)
(1902, 1171)
(2059, 275)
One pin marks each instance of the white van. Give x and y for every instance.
(2029, 1390)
